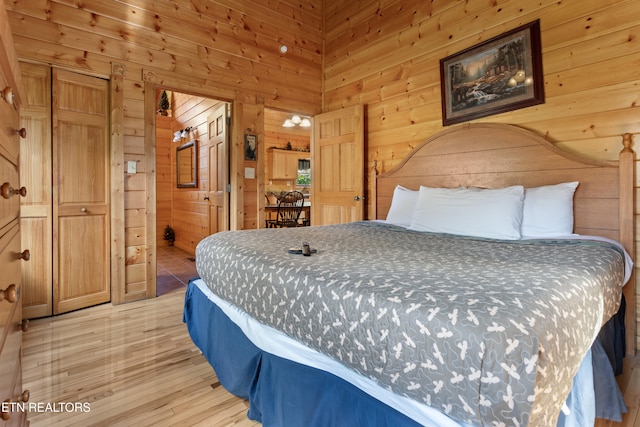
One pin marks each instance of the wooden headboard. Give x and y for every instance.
(497, 155)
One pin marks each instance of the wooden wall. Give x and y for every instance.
(226, 50)
(190, 210)
(381, 53)
(385, 55)
(165, 179)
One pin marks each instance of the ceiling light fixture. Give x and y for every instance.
(297, 120)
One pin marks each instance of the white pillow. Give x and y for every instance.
(548, 210)
(403, 204)
(492, 213)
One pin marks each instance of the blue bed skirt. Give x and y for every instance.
(280, 392)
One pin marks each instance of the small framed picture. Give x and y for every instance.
(250, 147)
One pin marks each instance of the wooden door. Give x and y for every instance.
(81, 220)
(218, 169)
(36, 209)
(337, 167)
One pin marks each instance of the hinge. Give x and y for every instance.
(228, 189)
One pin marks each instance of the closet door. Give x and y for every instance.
(81, 273)
(218, 170)
(36, 209)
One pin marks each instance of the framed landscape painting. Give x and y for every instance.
(495, 76)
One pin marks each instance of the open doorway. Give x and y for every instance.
(192, 164)
(288, 159)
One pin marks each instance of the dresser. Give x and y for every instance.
(11, 253)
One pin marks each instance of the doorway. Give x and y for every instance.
(200, 207)
(288, 157)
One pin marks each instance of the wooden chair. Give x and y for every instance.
(288, 211)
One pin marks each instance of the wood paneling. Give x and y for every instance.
(36, 209)
(11, 252)
(81, 191)
(164, 175)
(382, 54)
(185, 209)
(386, 54)
(231, 49)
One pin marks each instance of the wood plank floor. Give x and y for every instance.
(136, 366)
(134, 363)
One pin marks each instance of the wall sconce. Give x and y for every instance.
(296, 120)
(182, 133)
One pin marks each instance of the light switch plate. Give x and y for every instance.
(131, 166)
(249, 173)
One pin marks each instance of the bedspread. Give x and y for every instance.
(489, 332)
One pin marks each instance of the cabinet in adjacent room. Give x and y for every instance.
(283, 164)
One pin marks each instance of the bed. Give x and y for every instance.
(421, 317)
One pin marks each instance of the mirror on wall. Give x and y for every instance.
(187, 165)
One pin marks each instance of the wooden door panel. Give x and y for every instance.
(37, 280)
(218, 170)
(337, 167)
(82, 239)
(36, 208)
(81, 273)
(81, 154)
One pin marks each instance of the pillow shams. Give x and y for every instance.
(548, 210)
(492, 213)
(403, 204)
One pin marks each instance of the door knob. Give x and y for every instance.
(10, 294)
(83, 210)
(25, 255)
(6, 190)
(358, 198)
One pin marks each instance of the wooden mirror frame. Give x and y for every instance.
(187, 154)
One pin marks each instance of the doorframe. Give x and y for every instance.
(151, 83)
(118, 248)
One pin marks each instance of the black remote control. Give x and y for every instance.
(306, 250)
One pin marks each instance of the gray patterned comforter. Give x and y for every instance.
(489, 332)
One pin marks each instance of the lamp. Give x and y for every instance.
(305, 123)
(297, 120)
(182, 133)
